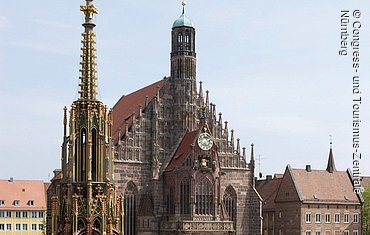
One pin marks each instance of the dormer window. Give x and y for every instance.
(2, 202)
(16, 202)
(30, 203)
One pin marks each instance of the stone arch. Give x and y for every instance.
(229, 200)
(204, 197)
(130, 198)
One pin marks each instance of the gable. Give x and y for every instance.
(287, 191)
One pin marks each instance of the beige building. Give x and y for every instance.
(311, 202)
(22, 207)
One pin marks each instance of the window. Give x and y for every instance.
(337, 218)
(30, 203)
(8, 214)
(34, 214)
(185, 197)
(230, 202)
(346, 218)
(41, 214)
(355, 232)
(170, 201)
(318, 233)
(308, 218)
(8, 227)
(308, 232)
(2, 202)
(318, 218)
(2, 227)
(24, 214)
(2, 214)
(18, 214)
(346, 232)
(327, 218)
(41, 227)
(34, 227)
(24, 226)
(204, 198)
(18, 227)
(129, 203)
(355, 218)
(16, 202)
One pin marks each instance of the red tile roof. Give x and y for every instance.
(182, 150)
(24, 191)
(268, 190)
(129, 105)
(326, 187)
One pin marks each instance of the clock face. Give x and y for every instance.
(205, 141)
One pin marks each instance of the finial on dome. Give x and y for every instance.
(183, 3)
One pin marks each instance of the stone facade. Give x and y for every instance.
(151, 126)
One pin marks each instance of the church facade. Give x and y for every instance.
(163, 161)
(177, 164)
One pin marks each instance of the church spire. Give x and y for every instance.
(88, 72)
(331, 166)
(183, 3)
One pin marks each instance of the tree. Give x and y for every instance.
(366, 211)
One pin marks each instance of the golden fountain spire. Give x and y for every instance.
(88, 71)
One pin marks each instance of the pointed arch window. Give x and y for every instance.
(170, 201)
(179, 41)
(185, 197)
(80, 165)
(204, 198)
(229, 200)
(129, 204)
(187, 41)
(94, 160)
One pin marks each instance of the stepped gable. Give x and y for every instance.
(129, 105)
(182, 150)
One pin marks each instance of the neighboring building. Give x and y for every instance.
(22, 207)
(313, 202)
(179, 167)
(268, 189)
(83, 197)
(365, 182)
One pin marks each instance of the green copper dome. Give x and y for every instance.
(182, 21)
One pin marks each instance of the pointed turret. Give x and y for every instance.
(88, 72)
(201, 97)
(331, 165)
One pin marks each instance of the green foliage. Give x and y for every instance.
(366, 211)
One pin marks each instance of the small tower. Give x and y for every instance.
(331, 165)
(86, 202)
(183, 77)
(183, 56)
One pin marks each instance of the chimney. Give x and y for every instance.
(308, 168)
(268, 177)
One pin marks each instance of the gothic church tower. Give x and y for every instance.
(86, 200)
(183, 75)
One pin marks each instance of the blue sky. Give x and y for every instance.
(272, 68)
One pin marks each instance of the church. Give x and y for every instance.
(162, 161)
